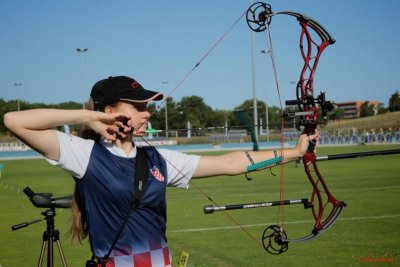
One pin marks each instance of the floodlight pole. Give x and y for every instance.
(166, 112)
(255, 121)
(294, 119)
(18, 85)
(266, 100)
(81, 51)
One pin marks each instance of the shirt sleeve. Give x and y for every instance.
(74, 154)
(180, 167)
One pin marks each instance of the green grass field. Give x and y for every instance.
(367, 234)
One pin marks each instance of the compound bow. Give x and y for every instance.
(325, 207)
(274, 238)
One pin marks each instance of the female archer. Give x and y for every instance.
(105, 169)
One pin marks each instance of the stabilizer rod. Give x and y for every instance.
(359, 154)
(208, 209)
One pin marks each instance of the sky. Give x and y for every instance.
(159, 42)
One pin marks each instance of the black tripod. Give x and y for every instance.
(50, 235)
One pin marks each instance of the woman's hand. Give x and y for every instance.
(304, 142)
(110, 125)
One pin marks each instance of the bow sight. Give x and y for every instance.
(307, 113)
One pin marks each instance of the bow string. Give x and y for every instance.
(199, 189)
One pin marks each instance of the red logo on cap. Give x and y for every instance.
(135, 84)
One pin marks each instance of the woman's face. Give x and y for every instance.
(138, 115)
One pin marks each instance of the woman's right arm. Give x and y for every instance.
(34, 127)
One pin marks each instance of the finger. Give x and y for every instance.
(120, 135)
(316, 142)
(119, 123)
(110, 136)
(121, 126)
(124, 129)
(113, 128)
(313, 137)
(121, 117)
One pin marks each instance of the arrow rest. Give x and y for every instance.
(274, 240)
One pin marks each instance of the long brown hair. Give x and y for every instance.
(79, 229)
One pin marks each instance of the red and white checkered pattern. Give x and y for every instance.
(157, 174)
(156, 258)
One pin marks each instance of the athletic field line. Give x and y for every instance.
(381, 217)
(304, 192)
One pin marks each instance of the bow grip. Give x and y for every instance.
(312, 143)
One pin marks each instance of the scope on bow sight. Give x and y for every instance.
(44, 200)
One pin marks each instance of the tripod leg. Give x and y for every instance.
(60, 250)
(50, 236)
(50, 256)
(48, 240)
(40, 261)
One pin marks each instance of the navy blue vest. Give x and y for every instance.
(107, 189)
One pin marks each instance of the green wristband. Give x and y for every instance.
(265, 163)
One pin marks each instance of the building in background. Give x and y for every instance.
(352, 109)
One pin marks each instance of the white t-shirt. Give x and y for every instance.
(75, 154)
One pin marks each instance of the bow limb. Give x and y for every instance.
(326, 209)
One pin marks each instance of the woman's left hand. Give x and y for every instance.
(304, 142)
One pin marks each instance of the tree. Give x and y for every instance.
(394, 102)
(197, 112)
(336, 114)
(382, 109)
(157, 111)
(274, 114)
(7, 106)
(367, 110)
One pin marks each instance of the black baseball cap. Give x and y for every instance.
(118, 88)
